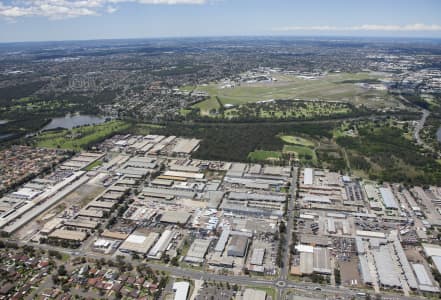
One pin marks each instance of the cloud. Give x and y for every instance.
(62, 9)
(366, 27)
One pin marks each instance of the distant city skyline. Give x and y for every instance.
(47, 20)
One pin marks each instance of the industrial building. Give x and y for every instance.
(68, 235)
(175, 217)
(308, 176)
(252, 294)
(388, 198)
(386, 268)
(257, 256)
(238, 246)
(197, 251)
(138, 242)
(322, 261)
(181, 290)
(158, 249)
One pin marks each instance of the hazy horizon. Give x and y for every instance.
(58, 20)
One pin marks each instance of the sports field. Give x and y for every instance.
(332, 87)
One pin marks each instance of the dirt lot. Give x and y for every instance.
(349, 271)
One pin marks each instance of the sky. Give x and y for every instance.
(47, 20)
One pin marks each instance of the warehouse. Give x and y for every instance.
(308, 176)
(175, 217)
(236, 170)
(388, 198)
(158, 249)
(238, 246)
(432, 250)
(405, 265)
(91, 213)
(359, 245)
(181, 290)
(322, 261)
(364, 270)
(243, 209)
(437, 262)
(257, 256)
(160, 192)
(197, 251)
(138, 242)
(68, 235)
(114, 235)
(252, 294)
(101, 204)
(189, 175)
(374, 234)
(239, 196)
(185, 146)
(316, 199)
(331, 226)
(81, 224)
(306, 263)
(386, 268)
(421, 273)
(222, 242)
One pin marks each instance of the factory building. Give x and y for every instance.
(181, 290)
(158, 249)
(238, 246)
(388, 198)
(257, 256)
(68, 235)
(308, 176)
(197, 251)
(139, 243)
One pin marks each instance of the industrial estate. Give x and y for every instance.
(241, 229)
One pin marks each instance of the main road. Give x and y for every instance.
(305, 287)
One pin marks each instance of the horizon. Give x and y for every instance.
(59, 20)
(353, 38)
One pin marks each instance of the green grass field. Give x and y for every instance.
(262, 155)
(81, 137)
(332, 87)
(297, 140)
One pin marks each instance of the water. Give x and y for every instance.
(438, 134)
(71, 121)
(5, 136)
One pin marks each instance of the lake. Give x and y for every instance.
(438, 134)
(71, 121)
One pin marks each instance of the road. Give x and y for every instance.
(419, 126)
(305, 287)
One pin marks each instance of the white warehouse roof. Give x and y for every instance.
(308, 176)
(388, 198)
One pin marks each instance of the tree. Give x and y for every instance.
(62, 270)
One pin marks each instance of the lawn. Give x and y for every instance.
(297, 140)
(262, 155)
(81, 137)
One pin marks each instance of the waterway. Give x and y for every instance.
(73, 120)
(438, 134)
